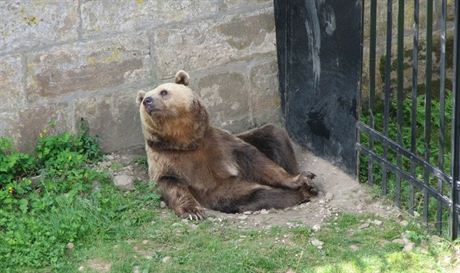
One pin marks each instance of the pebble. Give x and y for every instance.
(408, 247)
(316, 227)
(166, 259)
(363, 226)
(378, 222)
(354, 247)
(319, 244)
(263, 211)
(247, 212)
(243, 217)
(162, 204)
(399, 241)
(124, 182)
(70, 246)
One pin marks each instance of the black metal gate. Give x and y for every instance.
(409, 125)
(396, 63)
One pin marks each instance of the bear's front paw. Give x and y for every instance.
(191, 213)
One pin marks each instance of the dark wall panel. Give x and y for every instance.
(319, 55)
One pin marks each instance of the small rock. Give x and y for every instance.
(81, 268)
(36, 180)
(166, 259)
(399, 241)
(193, 226)
(243, 217)
(124, 182)
(408, 247)
(316, 227)
(354, 247)
(363, 226)
(263, 211)
(144, 242)
(136, 269)
(377, 222)
(404, 223)
(435, 238)
(70, 246)
(162, 204)
(329, 197)
(315, 242)
(247, 212)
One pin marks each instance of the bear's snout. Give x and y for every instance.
(149, 104)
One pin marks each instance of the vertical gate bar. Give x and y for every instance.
(387, 90)
(372, 47)
(414, 100)
(456, 129)
(400, 93)
(428, 78)
(442, 102)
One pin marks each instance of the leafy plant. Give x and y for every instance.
(47, 199)
(403, 135)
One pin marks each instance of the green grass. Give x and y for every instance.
(221, 247)
(433, 148)
(129, 230)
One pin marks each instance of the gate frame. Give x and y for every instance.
(456, 130)
(453, 204)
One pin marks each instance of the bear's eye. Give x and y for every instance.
(163, 93)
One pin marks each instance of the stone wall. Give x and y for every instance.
(381, 26)
(70, 59)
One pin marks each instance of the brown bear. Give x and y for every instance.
(196, 165)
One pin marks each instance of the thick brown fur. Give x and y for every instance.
(196, 165)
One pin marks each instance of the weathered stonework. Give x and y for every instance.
(113, 118)
(67, 60)
(25, 25)
(265, 100)
(11, 93)
(205, 43)
(88, 66)
(120, 16)
(34, 120)
(227, 99)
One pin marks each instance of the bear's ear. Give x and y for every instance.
(182, 77)
(140, 97)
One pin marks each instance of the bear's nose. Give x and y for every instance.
(148, 101)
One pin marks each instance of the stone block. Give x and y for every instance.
(205, 43)
(118, 16)
(226, 97)
(113, 118)
(27, 24)
(236, 4)
(35, 119)
(89, 66)
(11, 93)
(264, 92)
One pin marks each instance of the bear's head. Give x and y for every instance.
(172, 115)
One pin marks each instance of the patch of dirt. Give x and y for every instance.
(338, 193)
